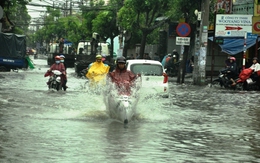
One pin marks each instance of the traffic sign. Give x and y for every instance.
(252, 36)
(182, 40)
(219, 40)
(183, 29)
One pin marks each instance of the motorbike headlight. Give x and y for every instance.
(58, 79)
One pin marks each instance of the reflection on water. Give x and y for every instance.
(196, 124)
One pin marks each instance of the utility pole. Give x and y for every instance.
(199, 73)
(70, 8)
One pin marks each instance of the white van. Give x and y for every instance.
(84, 47)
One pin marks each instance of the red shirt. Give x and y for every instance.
(59, 67)
(119, 76)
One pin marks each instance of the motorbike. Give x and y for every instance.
(121, 101)
(55, 80)
(224, 81)
(249, 80)
(172, 70)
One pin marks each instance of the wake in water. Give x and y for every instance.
(121, 100)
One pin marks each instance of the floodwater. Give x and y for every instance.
(194, 125)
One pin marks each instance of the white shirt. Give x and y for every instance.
(255, 67)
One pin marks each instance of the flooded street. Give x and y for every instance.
(195, 124)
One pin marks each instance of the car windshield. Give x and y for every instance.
(147, 69)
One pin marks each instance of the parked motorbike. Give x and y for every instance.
(249, 80)
(55, 80)
(173, 69)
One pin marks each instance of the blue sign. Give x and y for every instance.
(252, 36)
(183, 29)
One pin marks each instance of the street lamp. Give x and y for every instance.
(198, 14)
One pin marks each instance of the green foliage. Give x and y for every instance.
(138, 15)
(105, 25)
(184, 9)
(17, 15)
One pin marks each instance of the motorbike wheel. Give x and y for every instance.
(52, 85)
(58, 86)
(240, 86)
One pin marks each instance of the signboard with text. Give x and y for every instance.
(252, 36)
(232, 25)
(256, 25)
(182, 40)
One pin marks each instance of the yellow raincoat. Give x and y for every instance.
(97, 73)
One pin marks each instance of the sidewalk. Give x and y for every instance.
(189, 80)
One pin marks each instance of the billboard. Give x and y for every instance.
(256, 25)
(230, 25)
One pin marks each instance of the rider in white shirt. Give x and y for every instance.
(255, 66)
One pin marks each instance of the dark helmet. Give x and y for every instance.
(121, 60)
(255, 58)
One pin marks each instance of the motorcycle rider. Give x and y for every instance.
(97, 69)
(121, 75)
(255, 67)
(57, 66)
(232, 70)
(227, 62)
(62, 59)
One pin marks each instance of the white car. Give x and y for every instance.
(153, 76)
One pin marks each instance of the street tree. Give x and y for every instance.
(16, 18)
(106, 22)
(136, 14)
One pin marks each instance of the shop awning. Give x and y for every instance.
(234, 46)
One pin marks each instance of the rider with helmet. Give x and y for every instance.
(121, 75)
(62, 58)
(255, 67)
(60, 67)
(232, 70)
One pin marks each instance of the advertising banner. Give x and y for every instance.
(256, 25)
(230, 25)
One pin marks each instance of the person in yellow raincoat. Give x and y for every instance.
(97, 72)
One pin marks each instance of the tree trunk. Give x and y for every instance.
(142, 47)
(185, 57)
(182, 70)
(126, 46)
(111, 47)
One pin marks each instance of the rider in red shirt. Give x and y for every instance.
(58, 66)
(121, 76)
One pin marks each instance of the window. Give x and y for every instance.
(147, 69)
